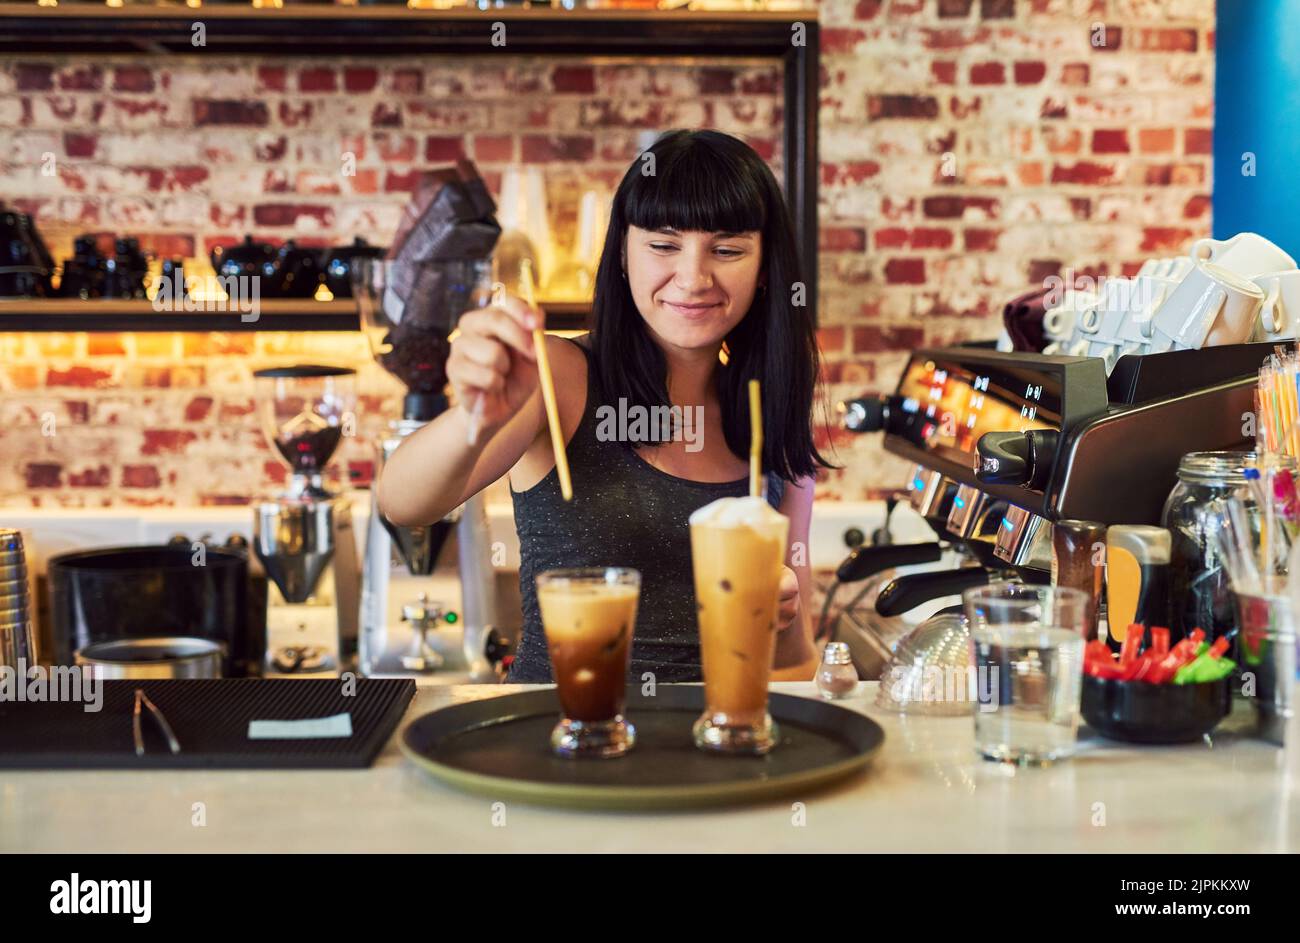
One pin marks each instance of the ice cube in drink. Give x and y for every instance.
(589, 617)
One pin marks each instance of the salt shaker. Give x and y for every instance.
(836, 676)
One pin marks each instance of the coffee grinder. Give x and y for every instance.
(409, 623)
(303, 537)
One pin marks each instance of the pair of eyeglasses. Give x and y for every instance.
(142, 700)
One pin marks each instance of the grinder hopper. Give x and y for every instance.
(304, 410)
(409, 338)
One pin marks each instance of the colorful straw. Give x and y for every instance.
(1277, 404)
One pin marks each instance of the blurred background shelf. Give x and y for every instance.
(390, 30)
(328, 31)
(45, 316)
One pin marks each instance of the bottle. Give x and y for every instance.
(1078, 561)
(1137, 579)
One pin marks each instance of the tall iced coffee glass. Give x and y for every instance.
(588, 616)
(738, 551)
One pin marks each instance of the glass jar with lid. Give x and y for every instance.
(1200, 595)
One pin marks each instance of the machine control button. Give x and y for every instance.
(1015, 458)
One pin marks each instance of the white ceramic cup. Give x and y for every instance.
(1123, 316)
(1211, 307)
(1246, 253)
(1173, 268)
(1149, 294)
(1123, 299)
(1059, 321)
(1279, 315)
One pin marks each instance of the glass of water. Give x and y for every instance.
(1027, 645)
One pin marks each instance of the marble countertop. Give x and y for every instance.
(926, 791)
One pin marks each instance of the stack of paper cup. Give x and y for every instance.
(17, 648)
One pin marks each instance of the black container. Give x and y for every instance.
(249, 258)
(126, 273)
(1154, 713)
(339, 261)
(85, 273)
(297, 272)
(138, 592)
(25, 263)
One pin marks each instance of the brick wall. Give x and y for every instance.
(191, 153)
(969, 149)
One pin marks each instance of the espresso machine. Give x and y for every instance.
(425, 609)
(303, 537)
(1005, 444)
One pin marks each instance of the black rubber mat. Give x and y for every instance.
(210, 719)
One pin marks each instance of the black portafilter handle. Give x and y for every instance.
(423, 407)
(867, 561)
(905, 593)
(1016, 458)
(871, 413)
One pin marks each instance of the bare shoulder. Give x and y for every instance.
(569, 371)
(568, 367)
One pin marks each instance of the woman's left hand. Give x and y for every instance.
(788, 601)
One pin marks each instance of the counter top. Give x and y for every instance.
(926, 791)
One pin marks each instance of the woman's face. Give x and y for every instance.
(692, 287)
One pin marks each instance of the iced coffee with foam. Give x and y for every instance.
(737, 552)
(588, 616)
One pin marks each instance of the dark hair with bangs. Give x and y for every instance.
(708, 181)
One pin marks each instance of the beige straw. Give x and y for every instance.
(755, 441)
(548, 385)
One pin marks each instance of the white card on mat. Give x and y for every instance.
(313, 728)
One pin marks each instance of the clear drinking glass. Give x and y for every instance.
(1027, 644)
(588, 615)
(1268, 653)
(737, 554)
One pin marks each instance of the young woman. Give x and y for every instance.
(699, 255)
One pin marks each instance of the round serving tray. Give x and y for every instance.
(499, 747)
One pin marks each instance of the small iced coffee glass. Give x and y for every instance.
(737, 552)
(588, 615)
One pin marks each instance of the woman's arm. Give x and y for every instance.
(796, 656)
(436, 469)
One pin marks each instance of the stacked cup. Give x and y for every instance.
(16, 636)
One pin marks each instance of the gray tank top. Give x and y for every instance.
(624, 512)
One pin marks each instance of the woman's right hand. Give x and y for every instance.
(492, 355)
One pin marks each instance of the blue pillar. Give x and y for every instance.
(1257, 111)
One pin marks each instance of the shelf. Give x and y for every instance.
(392, 30)
(382, 30)
(45, 316)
